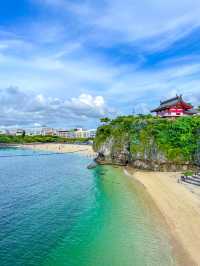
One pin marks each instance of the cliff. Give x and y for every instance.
(150, 143)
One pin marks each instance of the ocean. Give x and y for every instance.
(56, 212)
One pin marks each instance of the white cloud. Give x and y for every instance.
(27, 109)
(156, 24)
(59, 76)
(63, 56)
(152, 25)
(89, 106)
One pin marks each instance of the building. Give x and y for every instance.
(3, 132)
(20, 132)
(45, 131)
(63, 133)
(34, 132)
(80, 133)
(15, 132)
(91, 133)
(174, 107)
(48, 131)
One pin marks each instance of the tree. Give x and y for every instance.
(23, 134)
(105, 120)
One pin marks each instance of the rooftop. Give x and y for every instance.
(171, 102)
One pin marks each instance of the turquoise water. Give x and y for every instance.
(56, 212)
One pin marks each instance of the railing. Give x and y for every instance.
(193, 180)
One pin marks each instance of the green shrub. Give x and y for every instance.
(7, 139)
(188, 173)
(178, 139)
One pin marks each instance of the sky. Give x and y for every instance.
(68, 63)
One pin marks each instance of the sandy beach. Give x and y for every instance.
(179, 205)
(62, 148)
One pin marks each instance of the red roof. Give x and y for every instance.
(176, 101)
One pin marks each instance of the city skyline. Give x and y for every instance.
(46, 131)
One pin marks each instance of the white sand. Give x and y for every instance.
(62, 148)
(179, 206)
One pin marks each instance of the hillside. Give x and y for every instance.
(149, 142)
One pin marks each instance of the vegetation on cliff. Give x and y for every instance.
(178, 140)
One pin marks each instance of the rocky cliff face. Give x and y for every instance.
(149, 157)
(110, 153)
(150, 143)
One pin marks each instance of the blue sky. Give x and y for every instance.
(67, 63)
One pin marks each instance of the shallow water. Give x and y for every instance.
(56, 212)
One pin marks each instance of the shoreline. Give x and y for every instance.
(178, 204)
(86, 150)
(179, 207)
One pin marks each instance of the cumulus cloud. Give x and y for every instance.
(28, 109)
(89, 106)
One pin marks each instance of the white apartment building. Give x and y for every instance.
(3, 132)
(91, 133)
(20, 132)
(46, 131)
(63, 133)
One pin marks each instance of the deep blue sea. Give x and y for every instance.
(56, 212)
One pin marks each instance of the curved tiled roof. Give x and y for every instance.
(191, 111)
(171, 102)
